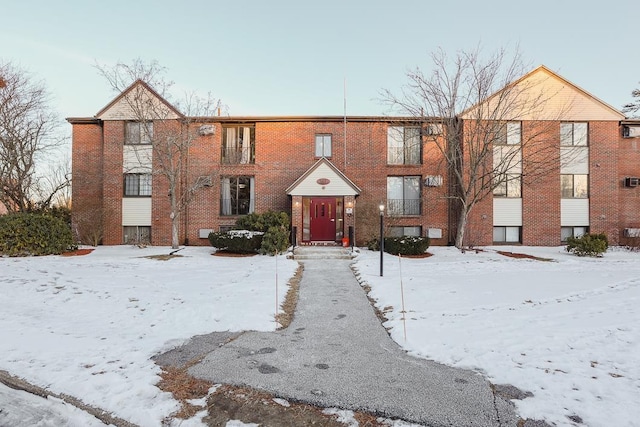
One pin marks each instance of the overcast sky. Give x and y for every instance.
(285, 57)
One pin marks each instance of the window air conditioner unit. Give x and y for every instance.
(631, 232)
(434, 129)
(631, 182)
(433, 181)
(631, 131)
(206, 130)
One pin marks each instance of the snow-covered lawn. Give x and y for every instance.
(87, 325)
(568, 330)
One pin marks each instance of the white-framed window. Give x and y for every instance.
(404, 145)
(507, 234)
(509, 185)
(137, 185)
(574, 186)
(237, 195)
(509, 133)
(399, 231)
(574, 134)
(238, 144)
(323, 145)
(138, 132)
(403, 195)
(135, 235)
(566, 232)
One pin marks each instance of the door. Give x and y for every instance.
(322, 215)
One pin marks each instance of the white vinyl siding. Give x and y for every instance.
(136, 211)
(574, 160)
(137, 159)
(574, 212)
(507, 212)
(337, 186)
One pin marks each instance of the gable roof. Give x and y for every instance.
(338, 184)
(118, 108)
(560, 99)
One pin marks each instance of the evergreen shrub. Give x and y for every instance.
(274, 225)
(593, 245)
(405, 245)
(236, 241)
(24, 234)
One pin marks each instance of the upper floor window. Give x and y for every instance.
(323, 145)
(403, 145)
(237, 195)
(509, 133)
(136, 184)
(574, 134)
(403, 195)
(238, 144)
(138, 132)
(508, 185)
(574, 186)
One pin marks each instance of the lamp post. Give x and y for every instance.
(381, 237)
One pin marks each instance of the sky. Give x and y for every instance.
(285, 57)
(566, 330)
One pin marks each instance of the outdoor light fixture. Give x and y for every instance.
(381, 237)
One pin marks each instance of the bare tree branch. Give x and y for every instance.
(27, 134)
(173, 131)
(476, 97)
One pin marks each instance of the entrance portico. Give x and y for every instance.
(323, 204)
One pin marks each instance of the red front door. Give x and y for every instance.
(322, 217)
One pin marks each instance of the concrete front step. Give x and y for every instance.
(322, 252)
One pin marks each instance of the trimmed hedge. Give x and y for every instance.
(238, 242)
(24, 234)
(593, 245)
(274, 225)
(405, 245)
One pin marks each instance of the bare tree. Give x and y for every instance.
(476, 101)
(170, 131)
(634, 106)
(27, 132)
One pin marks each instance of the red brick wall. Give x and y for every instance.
(541, 183)
(285, 150)
(604, 184)
(628, 157)
(112, 181)
(86, 190)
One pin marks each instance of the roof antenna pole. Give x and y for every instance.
(344, 91)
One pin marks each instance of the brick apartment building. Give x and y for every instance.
(332, 173)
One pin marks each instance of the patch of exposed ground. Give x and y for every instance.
(78, 252)
(231, 254)
(245, 404)
(523, 256)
